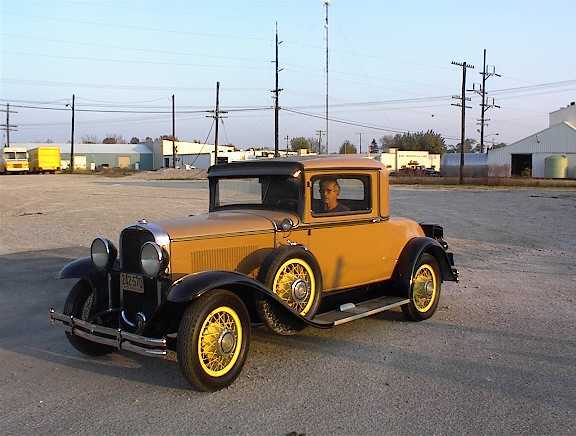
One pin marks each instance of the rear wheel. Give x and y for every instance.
(213, 340)
(424, 292)
(80, 305)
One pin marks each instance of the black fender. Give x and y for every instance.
(412, 251)
(192, 286)
(81, 268)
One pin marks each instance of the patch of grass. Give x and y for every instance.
(106, 172)
(484, 181)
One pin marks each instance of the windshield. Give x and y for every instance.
(267, 192)
(15, 155)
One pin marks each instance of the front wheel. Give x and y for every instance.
(80, 304)
(424, 292)
(213, 340)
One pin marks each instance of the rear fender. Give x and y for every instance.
(412, 252)
(192, 286)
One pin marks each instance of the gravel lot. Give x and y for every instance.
(499, 356)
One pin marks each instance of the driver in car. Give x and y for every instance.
(329, 192)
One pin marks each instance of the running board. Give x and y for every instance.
(351, 312)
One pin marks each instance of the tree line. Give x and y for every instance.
(429, 141)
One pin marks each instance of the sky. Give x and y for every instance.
(389, 67)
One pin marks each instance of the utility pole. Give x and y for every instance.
(326, 3)
(8, 127)
(319, 133)
(276, 92)
(462, 104)
(287, 142)
(217, 118)
(173, 135)
(360, 135)
(72, 137)
(484, 105)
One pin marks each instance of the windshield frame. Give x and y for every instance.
(214, 195)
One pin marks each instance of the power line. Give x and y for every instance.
(101, 24)
(141, 112)
(359, 124)
(131, 61)
(49, 83)
(131, 49)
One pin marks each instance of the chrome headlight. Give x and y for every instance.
(152, 259)
(103, 253)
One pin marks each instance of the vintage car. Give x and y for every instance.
(287, 243)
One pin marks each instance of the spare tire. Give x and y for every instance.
(293, 275)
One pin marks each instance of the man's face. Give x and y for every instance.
(329, 192)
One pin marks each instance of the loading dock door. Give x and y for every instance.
(123, 161)
(521, 165)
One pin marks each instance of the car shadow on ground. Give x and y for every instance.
(29, 289)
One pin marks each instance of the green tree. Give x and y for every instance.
(135, 140)
(347, 148)
(470, 146)
(386, 142)
(314, 144)
(300, 143)
(89, 139)
(373, 147)
(113, 139)
(429, 141)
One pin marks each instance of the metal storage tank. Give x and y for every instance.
(556, 167)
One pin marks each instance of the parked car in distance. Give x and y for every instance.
(288, 243)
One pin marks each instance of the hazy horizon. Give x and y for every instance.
(389, 68)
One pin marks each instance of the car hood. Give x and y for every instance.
(224, 222)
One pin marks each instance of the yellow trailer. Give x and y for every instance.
(44, 159)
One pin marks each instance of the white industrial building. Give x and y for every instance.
(188, 154)
(199, 155)
(532, 155)
(396, 159)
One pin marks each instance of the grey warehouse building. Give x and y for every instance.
(132, 156)
(534, 155)
(93, 156)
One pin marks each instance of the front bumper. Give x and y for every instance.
(116, 338)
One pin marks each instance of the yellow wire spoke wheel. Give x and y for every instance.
(294, 283)
(220, 341)
(424, 288)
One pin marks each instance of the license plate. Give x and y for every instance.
(131, 282)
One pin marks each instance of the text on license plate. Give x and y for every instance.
(131, 282)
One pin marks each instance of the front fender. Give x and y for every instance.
(412, 252)
(194, 285)
(81, 268)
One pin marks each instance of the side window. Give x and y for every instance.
(335, 195)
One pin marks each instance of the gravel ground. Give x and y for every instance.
(499, 356)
